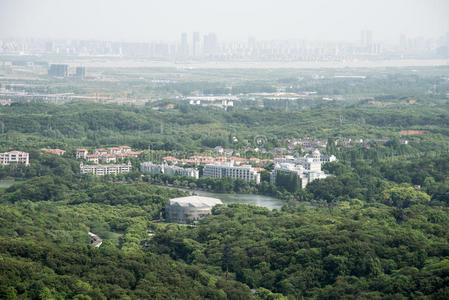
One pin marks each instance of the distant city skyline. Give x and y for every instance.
(146, 21)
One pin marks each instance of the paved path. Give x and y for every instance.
(96, 240)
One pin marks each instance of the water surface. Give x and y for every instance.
(258, 200)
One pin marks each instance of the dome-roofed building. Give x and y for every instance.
(187, 209)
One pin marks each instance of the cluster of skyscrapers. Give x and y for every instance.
(207, 46)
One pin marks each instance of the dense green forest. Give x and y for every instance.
(376, 228)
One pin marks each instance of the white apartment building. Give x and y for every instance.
(81, 153)
(149, 167)
(105, 169)
(14, 157)
(314, 156)
(307, 168)
(288, 168)
(244, 172)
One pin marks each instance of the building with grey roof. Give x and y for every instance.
(187, 209)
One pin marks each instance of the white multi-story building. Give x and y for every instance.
(307, 168)
(14, 157)
(244, 172)
(149, 167)
(58, 152)
(316, 155)
(107, 158)
(112, 154)
(174, 170)
(81, 153)
(105, 169)
(92, 158)
(288, 168)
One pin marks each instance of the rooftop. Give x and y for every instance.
(195, 201)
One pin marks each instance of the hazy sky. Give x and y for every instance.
(138, 20)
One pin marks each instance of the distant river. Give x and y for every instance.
(258, 200)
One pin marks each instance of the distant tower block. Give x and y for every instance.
(80, 72)
(58, 70)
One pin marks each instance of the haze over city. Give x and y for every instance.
(145, 21)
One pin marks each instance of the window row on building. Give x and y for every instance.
(108, 155)
(105, 169)
(149, 167)
(14, 157)
(245, 172)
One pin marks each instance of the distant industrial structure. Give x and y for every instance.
(188, 209)
(164, 168)
(14, 157)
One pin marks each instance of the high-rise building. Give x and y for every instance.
(58, 70)
(196, 44)
(210, 43)
(80, 72)
(366, 38)
(184, 47)
(403, 42)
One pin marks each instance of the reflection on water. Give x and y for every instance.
(258, 200)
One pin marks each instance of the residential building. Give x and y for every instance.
(327, 158)
(105, 169)
(125, 149)
(149, 167)
(92, 158)
(114, 150)
(107, 158)
(108, 155)
(14, 157)
(314, 155)
(58, 152)
(245, 172)
(288, 168)
(307, 168)
(100, 152)
(81, 153)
